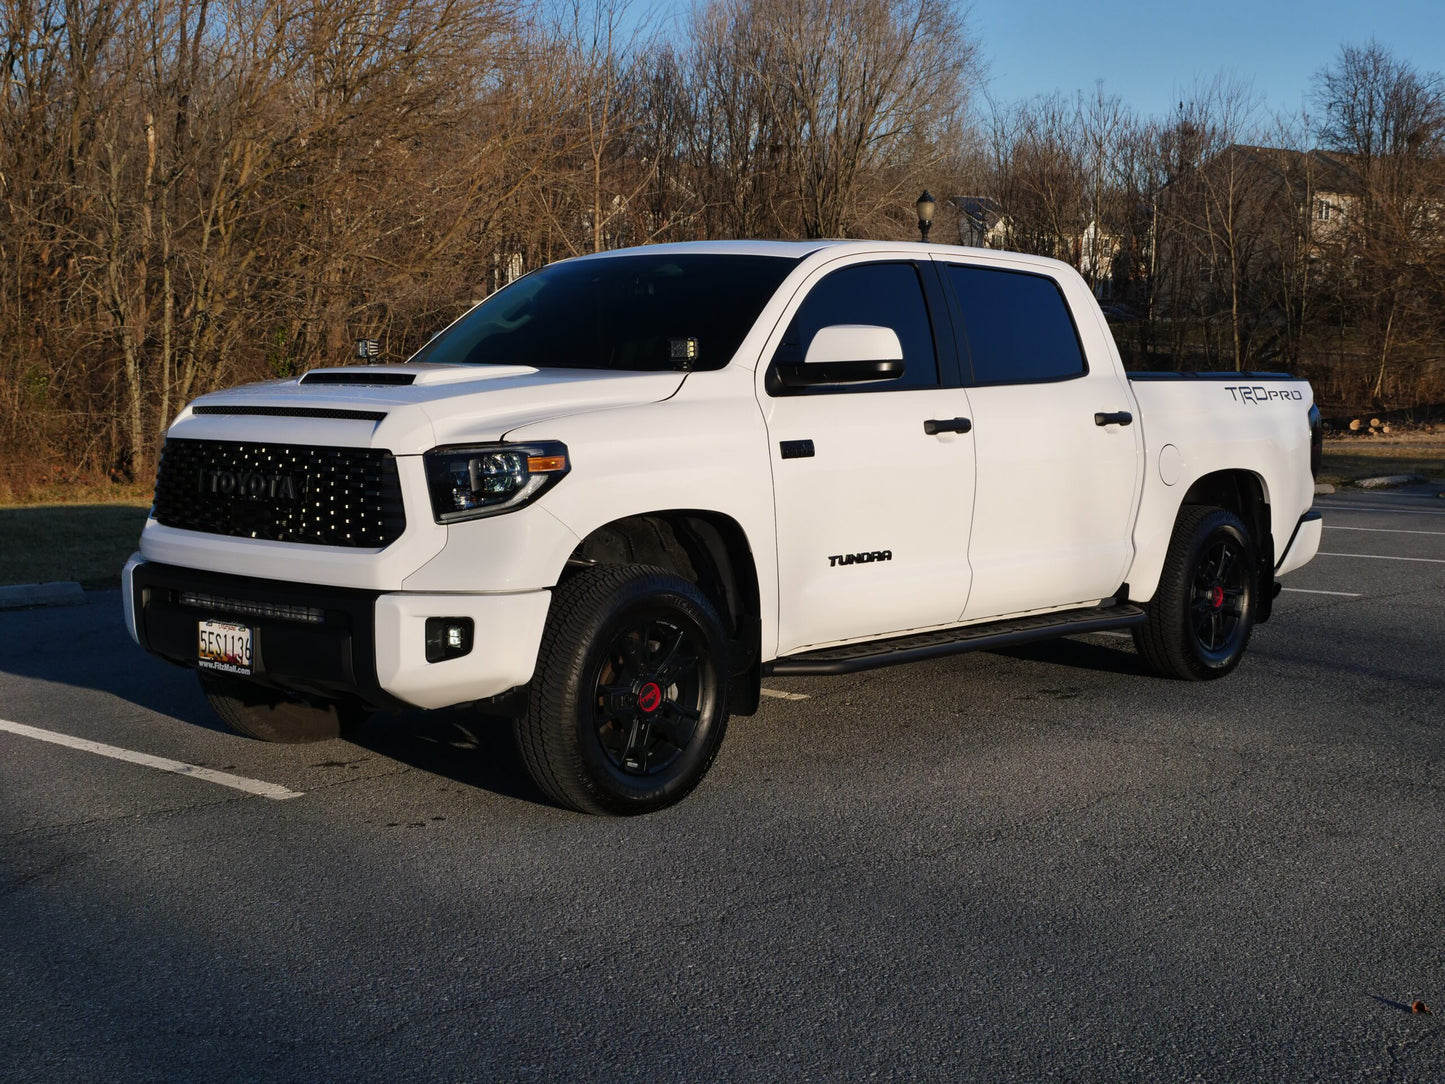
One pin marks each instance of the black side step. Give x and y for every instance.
(930, 645)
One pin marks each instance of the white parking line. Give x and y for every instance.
(1386, 557)
(225, 779)
(1382, 530)
(778, 694)
(1379, 511)
(1310, 591)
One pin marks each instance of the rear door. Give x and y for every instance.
(872, 510)
(1057, 447)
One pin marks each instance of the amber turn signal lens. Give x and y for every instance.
(545, 464)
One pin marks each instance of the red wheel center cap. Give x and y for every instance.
(649, 697)
(1216, 597)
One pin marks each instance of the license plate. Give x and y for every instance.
(225, 646)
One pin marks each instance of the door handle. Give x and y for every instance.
(935, 426)
(1119, 417)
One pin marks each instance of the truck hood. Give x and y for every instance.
(408, 409)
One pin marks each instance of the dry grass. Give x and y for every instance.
(74, 492)
(84, 542)
(1350, 459)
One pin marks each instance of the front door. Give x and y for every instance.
(872, 510)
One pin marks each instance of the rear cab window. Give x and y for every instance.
(1017, 328)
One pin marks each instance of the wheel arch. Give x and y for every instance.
(1191, 630)
(709, 549)
(1243, 492)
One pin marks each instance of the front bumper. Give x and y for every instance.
(339, 641)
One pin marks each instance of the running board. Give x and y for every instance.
(930, 645)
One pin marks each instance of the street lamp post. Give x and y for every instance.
(925, 207)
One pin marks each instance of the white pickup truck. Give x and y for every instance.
(617, 494)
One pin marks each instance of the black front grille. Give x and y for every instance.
(280, 492)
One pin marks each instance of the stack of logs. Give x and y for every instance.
(1376, 426)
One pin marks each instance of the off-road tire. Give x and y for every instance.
(1192, 631)
(268, 714)
(605, 699)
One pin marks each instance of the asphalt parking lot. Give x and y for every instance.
(1026, 864)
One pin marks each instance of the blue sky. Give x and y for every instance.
(1150, 53)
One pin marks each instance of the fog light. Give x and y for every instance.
(448, 637)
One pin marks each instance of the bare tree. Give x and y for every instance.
(195, 168)
(850, 84)
(733, 144)
(1389, 118)
(194, 192)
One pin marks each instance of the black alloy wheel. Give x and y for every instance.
(648, 696)
(628, 704)
(1221, 597)
(1200, 618)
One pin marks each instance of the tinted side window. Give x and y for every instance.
(1017, 326)
(885, 294)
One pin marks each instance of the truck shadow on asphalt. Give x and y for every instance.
(1116, 657)
(465, 746)
(88, 648)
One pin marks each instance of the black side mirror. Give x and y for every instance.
(804, 375)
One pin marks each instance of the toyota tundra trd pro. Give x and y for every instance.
(624, 489)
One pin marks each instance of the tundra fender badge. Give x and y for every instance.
(859, 558)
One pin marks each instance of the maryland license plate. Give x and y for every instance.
(224, 646)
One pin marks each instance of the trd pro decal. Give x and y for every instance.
(1257, 393)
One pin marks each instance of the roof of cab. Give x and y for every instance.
(794, 250)
(798, 250)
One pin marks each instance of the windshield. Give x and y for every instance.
(641, 313)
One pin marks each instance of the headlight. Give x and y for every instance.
(467, 482)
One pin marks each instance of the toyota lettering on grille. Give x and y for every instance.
(252, 485)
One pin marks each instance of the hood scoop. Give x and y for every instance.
(391, 376)
(376, 378)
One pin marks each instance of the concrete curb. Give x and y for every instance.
(21, 595)
(1389, 480)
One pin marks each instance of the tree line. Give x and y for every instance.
(1221, 237)
(199, 192)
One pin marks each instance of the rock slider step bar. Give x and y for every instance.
(851, 658)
